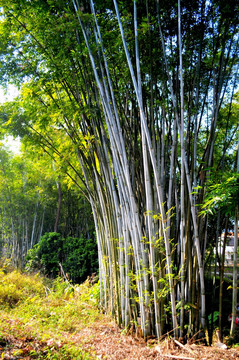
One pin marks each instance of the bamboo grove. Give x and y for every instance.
(34, 201)
(136, 101)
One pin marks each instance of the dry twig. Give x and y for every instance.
(183, 347)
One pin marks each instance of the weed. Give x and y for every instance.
(16, 287)
(47, 315)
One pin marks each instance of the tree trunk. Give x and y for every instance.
(222, 278)
(58, 214)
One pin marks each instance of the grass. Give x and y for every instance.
(39, 316)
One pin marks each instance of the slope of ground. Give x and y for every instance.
(62, 322)
(97, 341)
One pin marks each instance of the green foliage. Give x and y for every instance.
(78, 256)
(50, 253)
(223, 195)
(46, 314)
(213, 317)
(28, 202)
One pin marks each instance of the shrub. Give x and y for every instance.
(78, 256)
(46, 255)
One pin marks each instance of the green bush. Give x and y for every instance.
(78, 256)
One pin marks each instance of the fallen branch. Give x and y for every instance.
(183, 346)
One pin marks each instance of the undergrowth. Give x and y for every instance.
(47, 312)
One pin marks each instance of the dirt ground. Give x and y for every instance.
(107, 342)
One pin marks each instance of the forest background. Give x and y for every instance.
(135, 106)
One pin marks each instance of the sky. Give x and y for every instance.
(9, 141)
(12, 92)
